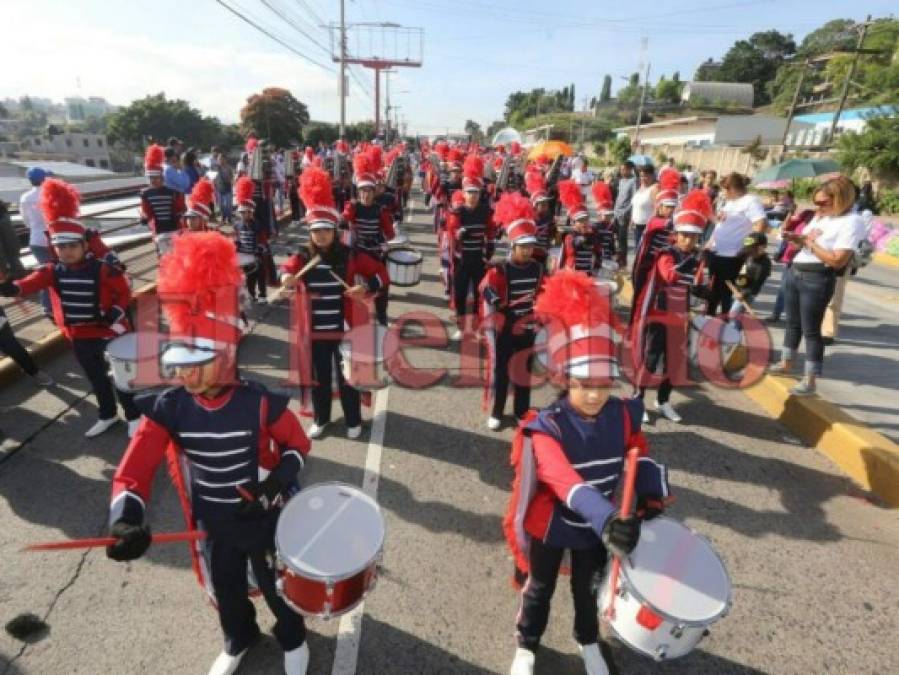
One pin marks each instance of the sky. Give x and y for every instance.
(474, 52)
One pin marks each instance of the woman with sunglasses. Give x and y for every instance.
(827, 244)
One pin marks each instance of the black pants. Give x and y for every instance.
(541, 583)
(467, 275)
(806, 296)
(11, 346)
(229, 551)
(507, 345)
(656, 359)
(90, 354)
(256, 279)
(722, 269)
(381, 307)
(621, 227)
(326, 361)
(296, 210)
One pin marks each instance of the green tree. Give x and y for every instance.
(474, 130)
(668, 91)
(360, 131)
(571, 99)
(4, 113)
(605, 94)
(493, 129)
(160, 118)
(620, 149)
(274, 114)
(756, 61)
(320, 132)
(876, 148)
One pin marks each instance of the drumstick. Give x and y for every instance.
(627, 496)
(163, 538)
(736, 291)
(337, 276)
(313, 261)
(524, 298)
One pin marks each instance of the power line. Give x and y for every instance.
(274, 37)
(312, 12)
(293, 25)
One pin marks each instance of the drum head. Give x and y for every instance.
(246, 259)
(368, 351)
(678, 573)
(124, 347)
(404, 256)
(330, 531)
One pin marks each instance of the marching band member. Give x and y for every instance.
(568, 460)
(370, 223)
(544, 218)
(657, 234)
(233, 447)
(329, 305)
(581, 248)
(196, 218)
(470, 233)
(605, 226)
(251, 237)
(161, 207)
(508, 290)
(89, 298)
(676, 274)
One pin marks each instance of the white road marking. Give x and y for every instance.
(349, 630)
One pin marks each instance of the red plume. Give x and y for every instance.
(309, 151)
(252, 144)
(203, 192)
(570, 194)
(698, 201)
(534, 182)
(515, 147)
(376, 155)
(457, 200)
(155, 156)
(571, 298)
(602, 193)
(362, 164)
(473, 167)
(454, 155)
(513, 206)
(201, 264)
(669, 179)
(243, 189)
(59, 200)
(315, 188)
(442, 149)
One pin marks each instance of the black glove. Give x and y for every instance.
(8, 289)
(264, 495)
(620, 536)
(110, 317)
(133, 541)
(650, 506)
(700, 291)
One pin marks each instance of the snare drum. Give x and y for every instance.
(122, 356)
(364, 369)
(329, 540)
(165, 242)
(404, 266)
(247, 262)
(553, 258)
(672, 587)
(607, 277)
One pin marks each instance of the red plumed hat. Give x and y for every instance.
(454, 157)
(200, 198)
(442, 150)
(457, 200)
(376, 156)
(694, 212)
(602, 194)
(252, 144)
(669, 187)
(580, 340)
(572, 199)
(363, 171)
(198, 284)
(342, 147)
(516, 148)
(243, 190)
(154, 159)
(515, 213)
(473, 173)
(535, 184)
(318, 198)
(60, 203)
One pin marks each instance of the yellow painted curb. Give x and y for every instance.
(869, 458)
(886, 259)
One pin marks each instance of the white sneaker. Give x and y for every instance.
(594, 663)
(523, 663)
(316, 430)
(225, 664)
(296, 661)
(262, 301)
(354, 432)
(493, 423)
(456, 336)
(42, 379)
(100, 426)
(645, 417)
(668, 411)
(132, 427)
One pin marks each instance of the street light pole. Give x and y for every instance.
(342, 70)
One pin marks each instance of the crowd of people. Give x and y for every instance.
(698, 246)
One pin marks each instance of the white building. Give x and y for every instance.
(87, 149)
(714, 93)
(79, 109)
(709, 130)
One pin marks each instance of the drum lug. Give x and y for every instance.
(661, 653)
(329, 598)
(678, 631)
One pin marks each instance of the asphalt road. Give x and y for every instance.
(813, 563)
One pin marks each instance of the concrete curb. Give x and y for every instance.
(886, 259)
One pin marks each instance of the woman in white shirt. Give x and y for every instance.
(741, 214)
(828, 243)
(643, 205)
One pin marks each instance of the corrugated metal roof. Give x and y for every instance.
(852, 114)
(737, 92)
(70, 169)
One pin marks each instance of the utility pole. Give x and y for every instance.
(387, 74)
(342, 70)
(848, 82)
(783, 143)
(640, 109)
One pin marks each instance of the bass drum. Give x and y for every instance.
(125, 361)
(404, 266)
(329, 541)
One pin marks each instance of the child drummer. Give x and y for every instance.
(233, 447)
(568, 460)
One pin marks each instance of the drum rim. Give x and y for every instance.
(403, 262)
(131, 337)
(692, 623)
(344, 576)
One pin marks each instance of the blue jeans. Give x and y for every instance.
(779, 300)
(806, 295)
(226, 204)
(42, 255)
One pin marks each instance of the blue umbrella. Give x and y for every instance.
(640, 160)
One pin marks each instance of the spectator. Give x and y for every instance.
(710, 185)
(827, 243)
(29, 209)
(643, 203)
(690, 175)
(190, 167)
(741, 214)
(224, 185)
(785, 254)
(172, 175)
(624, 194)
(866, 201)
(582, 174)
